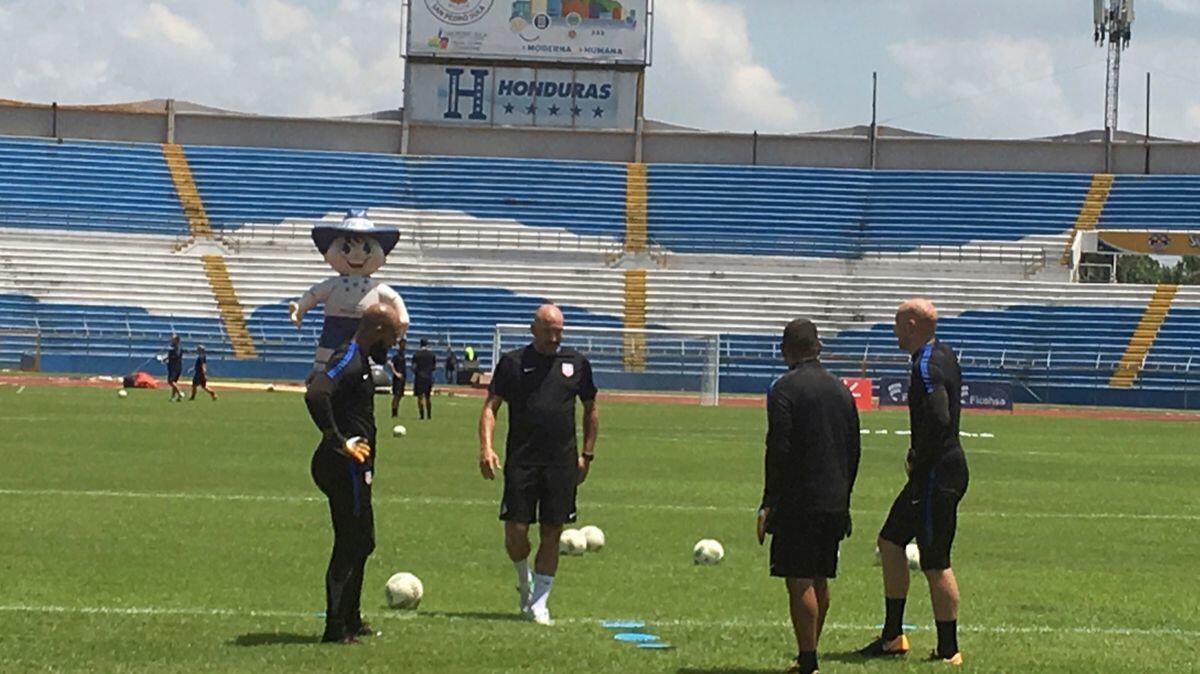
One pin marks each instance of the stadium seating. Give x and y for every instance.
(109, 187)
(1153, 202)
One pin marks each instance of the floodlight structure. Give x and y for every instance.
(1113, 26)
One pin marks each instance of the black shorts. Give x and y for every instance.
(200, 381)
(423, 386)
(173, 374)
(927, 510)
(543, 494)
(807, 547)
(398, 386)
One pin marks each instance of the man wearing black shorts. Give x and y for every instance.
(398, 365)
(927, 507)
(813, 451)
(200, 374)
(542, 471)
(175, 369)
(424, 363)
(341, 402)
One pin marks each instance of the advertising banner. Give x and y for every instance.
(975, 395)
(1152, 243)
(546, 97)
(590, 31)
(861, 390)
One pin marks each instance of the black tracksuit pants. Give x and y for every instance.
(347, 485)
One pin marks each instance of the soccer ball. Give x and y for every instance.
(878, 557)
(708, 552)
(122, 393)
(572, 543)
(270, 388)
(914, 555)
(399, 431)
(594, 538)
(404, 591)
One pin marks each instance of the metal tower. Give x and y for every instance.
(1113, 24)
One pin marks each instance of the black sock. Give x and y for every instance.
(893, 624)
(807, 661)
(947, 638)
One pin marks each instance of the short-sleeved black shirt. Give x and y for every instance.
(541, 392)
(343, 397)
(399, 361)
(175, 358)
(424, 363)
(934, 367)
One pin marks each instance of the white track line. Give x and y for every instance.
(685, 623)
(481, 503)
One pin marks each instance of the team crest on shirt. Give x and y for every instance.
(568, 370)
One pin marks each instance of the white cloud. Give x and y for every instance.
(264, 56)
(1008, 85)
(1181, 6)
(710, 77)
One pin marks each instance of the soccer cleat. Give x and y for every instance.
(541, 617)
(795, 668)
(956, 659)
(364, 630)
(347, 640)
(885, 647)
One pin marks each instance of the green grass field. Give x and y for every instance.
(144, 536)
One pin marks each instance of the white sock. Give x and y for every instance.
(522, 568)
(541, 592)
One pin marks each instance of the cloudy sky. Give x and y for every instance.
(980, 68)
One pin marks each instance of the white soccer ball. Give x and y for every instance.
(404, 591)
(878, 557)
(914, 555)
(594, 538)
(708, 552)
(122, 393)
(399, 431)
(572, 543)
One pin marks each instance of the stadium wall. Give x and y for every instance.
(98, 123)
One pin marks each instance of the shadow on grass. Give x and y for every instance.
(727, 670)
(276, 639)
(473, 615)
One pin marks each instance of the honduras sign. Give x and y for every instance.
(586, 31)
(546, 97)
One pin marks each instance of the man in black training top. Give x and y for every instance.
(424, 363)
(542, 470)
(451, 365)
(175, 368)
(399, 367)
(200, 374)
(813, 450)
(342, 405)
(927, 507)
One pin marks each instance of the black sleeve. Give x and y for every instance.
(779, 446)
(319, 399)
(939, 398)
(855, 449)
(502, 378)
(587, 386)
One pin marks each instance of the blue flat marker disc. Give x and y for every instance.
(656, 645)
(623, 624)
(635, 637)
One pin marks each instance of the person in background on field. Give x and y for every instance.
(813, 451)
(200, 374)
(399, 367)
(175, 368)
(424, 364)
(451, 365)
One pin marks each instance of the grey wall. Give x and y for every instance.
(616, 146)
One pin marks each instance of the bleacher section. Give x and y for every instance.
(1153, 202)
(107, 187)
(103, 261)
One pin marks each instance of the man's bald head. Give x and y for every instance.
(547, 329)
(916, 323)
(380, 324)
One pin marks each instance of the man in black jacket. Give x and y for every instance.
(813, 450)
(342, 405)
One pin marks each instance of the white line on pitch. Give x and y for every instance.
(436, 500)
(666, 622)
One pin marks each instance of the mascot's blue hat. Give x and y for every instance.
(355, 224)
